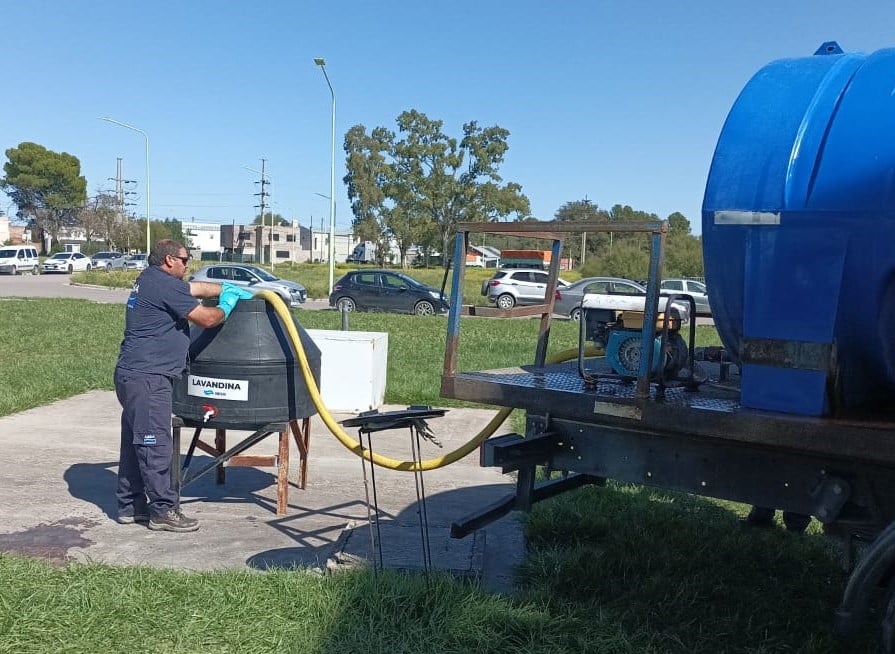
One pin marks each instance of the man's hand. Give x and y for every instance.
(230, 295)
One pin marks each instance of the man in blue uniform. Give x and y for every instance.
(153, 355)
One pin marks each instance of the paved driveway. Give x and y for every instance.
(61, 286)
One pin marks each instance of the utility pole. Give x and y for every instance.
(263, 195)
(120, 204)
(584, 234)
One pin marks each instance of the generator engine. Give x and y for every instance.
(620, 334)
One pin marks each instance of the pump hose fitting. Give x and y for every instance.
(383, 461)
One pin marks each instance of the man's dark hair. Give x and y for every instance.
(164, 248)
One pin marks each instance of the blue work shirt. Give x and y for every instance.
(156, 331)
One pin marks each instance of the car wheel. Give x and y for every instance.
(108, 267)
(71, 269)
(345, 304)
(576, 314)
(35, 270)
(506, 301)
(424, 308)
(87, 269)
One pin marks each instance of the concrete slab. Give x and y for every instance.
(57, 500)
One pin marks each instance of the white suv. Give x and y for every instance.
(512, 286)
(15, 259)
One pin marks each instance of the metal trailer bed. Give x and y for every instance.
(702, 441)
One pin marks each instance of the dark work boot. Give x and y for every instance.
(173, 520)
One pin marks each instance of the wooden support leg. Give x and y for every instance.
(302, 437)
(220, 444)
(283, 473)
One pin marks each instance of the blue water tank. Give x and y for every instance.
(798, 226)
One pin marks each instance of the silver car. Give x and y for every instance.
(512, 286)
(253, 278)
(691, 287)
(108, 261)
(567, 301)
(136, 262)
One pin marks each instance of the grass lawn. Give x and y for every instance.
(619, 569)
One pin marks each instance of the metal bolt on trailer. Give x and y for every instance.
(685, 432)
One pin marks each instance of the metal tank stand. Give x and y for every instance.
(414, 419)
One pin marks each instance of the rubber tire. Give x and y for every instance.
(575, 314)
(88, 268)
(346, 302)
(15, 269)
(424, 308)
(506, 301)
(71, 269)
(35, 270)
(108, 267)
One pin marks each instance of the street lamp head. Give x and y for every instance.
(319, 61)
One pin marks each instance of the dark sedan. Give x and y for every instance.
(386, 290)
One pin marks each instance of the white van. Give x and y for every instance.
(16, 259)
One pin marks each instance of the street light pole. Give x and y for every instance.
(332, 179)
(146, 142)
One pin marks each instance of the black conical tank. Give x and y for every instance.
(244, 373)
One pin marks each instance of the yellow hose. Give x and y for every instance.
(346, 440)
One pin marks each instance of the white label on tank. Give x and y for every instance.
(746, 218)
(219, 389)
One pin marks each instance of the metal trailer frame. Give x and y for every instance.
(701, 441)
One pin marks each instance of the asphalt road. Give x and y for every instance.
(61, 286)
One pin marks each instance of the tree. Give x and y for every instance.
(98, 217)
(46, 186)
(418, 188)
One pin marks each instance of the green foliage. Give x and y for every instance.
(627, 254)
(46, 186)
(416, 189)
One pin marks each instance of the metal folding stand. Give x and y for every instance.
(414, 419)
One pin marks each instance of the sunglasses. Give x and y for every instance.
(183, 260)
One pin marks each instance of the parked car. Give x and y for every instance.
(511, 286)
(67, 262)
(567, 301)
(626, 295)
(691, 287)
(16, 259)
(253, 278)
(108, 261)
(136, 262)
(386, 290)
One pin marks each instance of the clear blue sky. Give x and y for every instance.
(621, 102)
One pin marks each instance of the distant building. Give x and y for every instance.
(203, 237)
(482, 256)
(263, 243)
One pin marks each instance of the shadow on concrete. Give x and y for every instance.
(402, 537)
(96, 483)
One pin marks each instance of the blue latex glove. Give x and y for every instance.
(230, 295)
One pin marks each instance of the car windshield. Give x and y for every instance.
(408, 280)
(699, 287)
(61, 255)
(263, 274)
(138, 257)
(104, 255)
